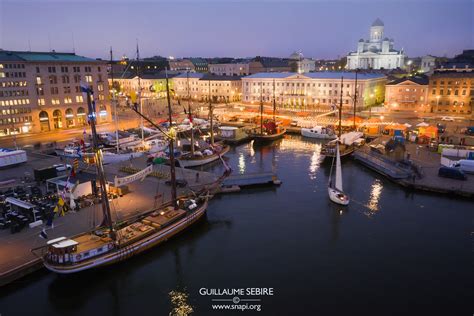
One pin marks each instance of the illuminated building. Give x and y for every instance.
(377, 52)
(409, 94)
(313, 89)
(40, 91)
(451, 92)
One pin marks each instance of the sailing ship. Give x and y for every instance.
(110, 242)
(345, 143)
(211, 153)
(335, 191)
(271, 131)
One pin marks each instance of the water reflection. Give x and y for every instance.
(179, 302)
(373, 203)
(241, 163)
(315, 161)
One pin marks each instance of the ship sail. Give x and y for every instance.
(338, 184)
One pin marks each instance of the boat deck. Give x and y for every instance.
(165, 218)
(88, 242)
(133, 232)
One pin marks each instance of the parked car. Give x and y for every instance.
(62, 167)
(447, 119)
(465, 165)
(469, 130)
(452, 173)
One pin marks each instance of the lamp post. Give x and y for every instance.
(370, 105)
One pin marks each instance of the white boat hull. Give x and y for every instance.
(189, 163)
(110, 158)
(338, 197)
(306, 132)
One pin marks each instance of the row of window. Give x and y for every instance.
(15, 111)
(9, 84)
(297, 84)
(10, 120)
(13, 93)
(442, 82)
(12, 66)
(15, 102)
(449, 92)
(12, 74)
(52, 69)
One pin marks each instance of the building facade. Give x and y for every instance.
(201, 87)
(452, 92)
(407, 95)
(41, 92)
(298, 63)
(229, 69)
(377, 52)
(316, 89)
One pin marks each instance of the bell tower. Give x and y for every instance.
(376, 31)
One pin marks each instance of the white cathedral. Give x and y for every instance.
(377, 52)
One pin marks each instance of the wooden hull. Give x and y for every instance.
(261, 139)
(199, 161)
(121, 254)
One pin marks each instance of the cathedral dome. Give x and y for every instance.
(297, 56)
(378, 22)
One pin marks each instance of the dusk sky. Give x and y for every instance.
(320, 29)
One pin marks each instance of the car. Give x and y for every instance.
(447, 119)
(62, 167)
(453, 173)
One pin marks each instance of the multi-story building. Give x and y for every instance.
(268, 64)
(230, 69)
(151, 85)
(409, 94)
(200, 87)
(41, 91)
(377, 52)
(452, 92)
(313, 89)
(189, 64)
(300, 64)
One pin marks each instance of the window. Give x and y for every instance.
(65, 79)
(67, 100)
(54, 90)
(64, 69)
(38, 80)
(51, 69)
(67, 89)
(88, 78)
(79, 98)
(41, 102)
(37, 70)
(77, 78)
(53, 79)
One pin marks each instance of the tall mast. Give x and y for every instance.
(261, 108)
(139, 99)
(98, 160)
(355, 99)
(274, 104)
(190, 114)
(211, 114)
(340, 109)
(114, 101)
(172, 166)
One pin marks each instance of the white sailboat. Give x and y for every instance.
(335, 191)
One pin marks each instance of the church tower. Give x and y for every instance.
(376, 31)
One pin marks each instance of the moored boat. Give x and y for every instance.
(318, 132)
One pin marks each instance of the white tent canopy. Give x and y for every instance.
(422, 124)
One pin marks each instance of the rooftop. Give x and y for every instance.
(42, 57)
(417, 80)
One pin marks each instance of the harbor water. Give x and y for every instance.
(390, 252)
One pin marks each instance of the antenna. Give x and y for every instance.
(73, 44)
